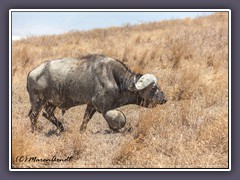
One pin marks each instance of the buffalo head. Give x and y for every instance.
(148, 91)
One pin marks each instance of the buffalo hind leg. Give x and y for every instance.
(87, 116)
(49, 114)
(37, 105)
(33, 115)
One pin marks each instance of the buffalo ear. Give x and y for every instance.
(145, 81)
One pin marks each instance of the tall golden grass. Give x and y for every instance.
(190, 59)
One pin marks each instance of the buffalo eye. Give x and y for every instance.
(154, 88)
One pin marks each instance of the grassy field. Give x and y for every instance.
(190, 59)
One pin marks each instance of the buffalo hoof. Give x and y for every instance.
(82, 130)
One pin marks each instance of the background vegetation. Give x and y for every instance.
(190, 59)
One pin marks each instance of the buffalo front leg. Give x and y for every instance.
(49, 114)
(90, 110)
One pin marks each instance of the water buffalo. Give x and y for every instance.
(101, 82)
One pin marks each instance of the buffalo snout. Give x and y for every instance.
(160, 97)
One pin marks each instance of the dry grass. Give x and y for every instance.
(190, 59)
